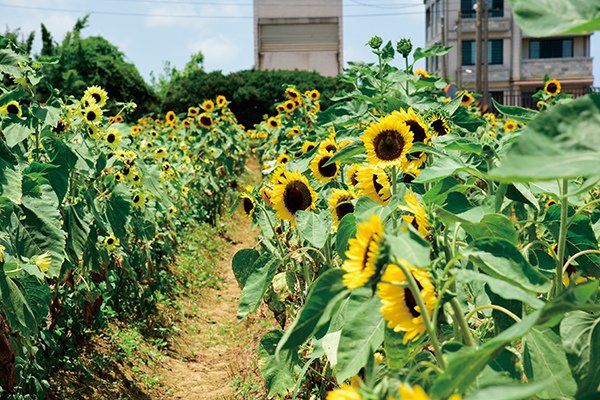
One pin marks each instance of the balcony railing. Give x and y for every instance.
(495, 13)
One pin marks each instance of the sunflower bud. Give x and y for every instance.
(44, 262)
(375, 42)
(404, 47)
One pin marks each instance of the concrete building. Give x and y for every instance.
(516, 62)
(298, 34)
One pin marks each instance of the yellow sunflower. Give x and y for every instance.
(314, 95)
(344, 392)
(12, 107)
(551, 202)
(439, 124)
(387, 141)
(324, 173)
(415, 124)
(291, 195)
(308, 146)
(418, 218)
(374, 183)
(274, 123)
(466, 99)
(292, 93)
(92, 114)
(289, 106)
(352, 175)
(248, 204)
(205, 120)
(329, 144)
(98, 95)
(340, 204)
(138, 199)
(265, 193)
(110, 242)
(170, 117)
(283, 159)
(422, 73)
(552, 87)
(221, 101)
(362, 253)
(159, 153)
(208, 105)
(295, 131)
(278, 175)
(193, 111)
(173, 210)
(118, 119)
(510, 125)
(412, 393)
(112, 137)
(399, 305)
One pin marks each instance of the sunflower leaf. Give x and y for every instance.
(552, 17)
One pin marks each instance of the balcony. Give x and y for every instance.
(559, 68)
(496, 73)
(494, 25)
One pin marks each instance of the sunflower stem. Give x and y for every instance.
(277, 240)
(406, 70)
(395, 193)
(459, 317)
(493, 307)
(562, 236)
(412, 285)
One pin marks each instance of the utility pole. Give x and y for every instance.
(459, 51)
(478, 34)
(443, 23)
(485, 88)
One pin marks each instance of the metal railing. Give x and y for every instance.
(526, 99)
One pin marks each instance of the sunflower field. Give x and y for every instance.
(90, 207)
(413, 247)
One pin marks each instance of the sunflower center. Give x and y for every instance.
(552, 88)
(248, 206)
(388, 145)
(96, 97)
(296, 196)
(414, 223)
(328, 171)
(110, 241)
(12, 109)
(465, 99)
(331, 148)
(205, 121)
(376, 185)
(110, 138)
(343, 209)
(410, 301)
(136, 199)
(419, 133)
(439, 127)
(365, 259)
(90, 116)
(310, 147)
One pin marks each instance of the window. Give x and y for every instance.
(551, 48)
(495, 8)
(495, 52)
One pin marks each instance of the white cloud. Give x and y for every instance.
(218, 51)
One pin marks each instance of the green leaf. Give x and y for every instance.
(65, 160)
(410, 247)
(77, 226)
(346, 230)
(508, 392)
(319, 303)
(263, 271)
(396, 352)
(503, 260)
(466, 120)
(553, 17)
(242, 263)
(10, 175)
(47, 114)
(15, 307)
(580, 334)
(492, 226)
(517, 113)
(348, 153)
(313, 227)
(544, 359)
(431, 51)
(16, 130)
(117, 210)
(559, 143)
(361, 335)
(278, 370)
(38, 296)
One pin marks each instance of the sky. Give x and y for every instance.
(151, 32)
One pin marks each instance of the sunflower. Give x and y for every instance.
(112, 137)
(550, 202)
(159, 153)
(387, 141)
(292, 93)
(329, 144)
(280, 108)
(344, 392)
(422, 73)
(205, 120)
(466, 99)
(283, 159)
(110, 242)
(295, 131)
(438, 123)
(340, 204)
(92, 114)
(362, 253)
(552, 87)
(289, 106)
(118, 118)
(248, 204)
(314, 95)
(136, 130)
(221, 101)
(170, 117)
(265, 193)
(278, 175)
(418, 218)
(352, 175)
(43, 261)
(412, 393)
(153, 133)
(12, 107)
(510, 125)
(208, 105)
(98, 95)
(374, 183)
(273, 123)
(193, 111)
(308, 146)
(324, 173)
(118, 177)
(292, 195)
(399, 305)
(138, 199)
(414, 123)
(136, 178)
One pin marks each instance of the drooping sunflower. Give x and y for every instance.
(308, 146)
(208, 105)
(418, 217)
(274, 123)
(283, 159)
(399, 307)
(422, 73)
(374, 183)
(324, 173)
(248, 204)
(12, 107)
(289, 106)
(221, 101)
(265, 193)
(415, 124)
(510, 125)
(387, 141)
(92, 114)
(552, 87)
(340, 204)
(193, 111)
(438, 123)
(170, 117)
(362, 253)
(295, 131)
(550, 202)
(352, 175)
(98, 94)
(344, 392)
(112, 137)
(205, 120)
(291, 195)
(466, 99)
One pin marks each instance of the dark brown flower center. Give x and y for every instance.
(331, 148)
(110, 241)
(296, 196)
(110, 138)
(417, 129)
(410, 301)
(248, 205)
(439, 127)
(552, 88)
(12, 109)
(136, 198)
(466, 98)
(206, 120)
(328, 171)
(90, 116)
(388, 145)
(344, 208)
(310, 147)
(96, 97)
(365, 258)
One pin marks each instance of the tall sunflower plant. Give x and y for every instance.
(425, 249)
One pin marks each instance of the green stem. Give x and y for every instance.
(394, 193)
(494, 307)
(580, 210)
(459, 317)
(412, 285)
(406, 68)
(278, 241)
(577, 255)
(562, 236)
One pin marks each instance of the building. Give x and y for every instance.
(298, 34)
(517, 63)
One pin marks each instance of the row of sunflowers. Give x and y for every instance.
(90, 208)
(413, 247)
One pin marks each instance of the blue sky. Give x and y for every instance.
(151, 32)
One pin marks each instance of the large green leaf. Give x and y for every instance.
(118, 208)
(346, 230)
(492, 226)
(278, 370)
(508, 392)
(361, 335)
(77, 227)
(65, 160)
(553, 17)
(517, 113)
(431, 51)
(580, 334)
(560, 143)
(16, 129)
(15, 307)
(263, 271)
(545, 359)
(409, 247)
(242, 263)
(313, 227)
(10, 175)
